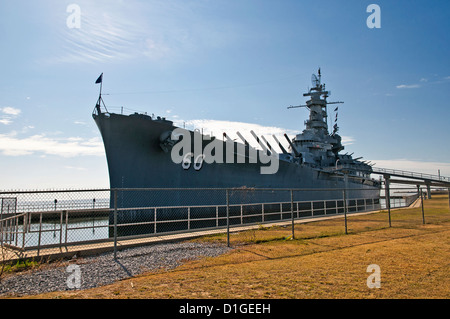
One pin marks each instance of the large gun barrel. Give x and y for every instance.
(297, 154)
(280, 145)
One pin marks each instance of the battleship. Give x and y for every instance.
(144, 151)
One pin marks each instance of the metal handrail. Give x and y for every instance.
(410, 174)
(390, 171)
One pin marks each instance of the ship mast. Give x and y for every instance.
(318, 113)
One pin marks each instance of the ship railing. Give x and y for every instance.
(347, 168)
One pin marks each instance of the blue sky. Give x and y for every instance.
(215, 64)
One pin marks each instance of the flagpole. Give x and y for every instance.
(101, 85)
(100, 80)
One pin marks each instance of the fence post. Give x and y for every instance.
(39, 235)
(60, 230)
(6, 231)
(115, 224)
(67, 227)
(292, 213)
(24, 228)
(263, 219)
(242, 216)
(449, 197)
(387, 197)
(154, 220)
(281, 211)
(93, 216)
(345, 209)
(189, 218)
(217, 216)
(228, 217)
(16, 221)
(421, 204)
(1, 227)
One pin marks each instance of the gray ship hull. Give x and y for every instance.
(136, 160)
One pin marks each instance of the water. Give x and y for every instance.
(79, 228)
(52, 232)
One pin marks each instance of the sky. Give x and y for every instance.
(219, 65)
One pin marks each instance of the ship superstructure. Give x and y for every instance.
(315, 145)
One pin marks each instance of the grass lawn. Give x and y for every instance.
(321, 262)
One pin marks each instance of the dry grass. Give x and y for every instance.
(321, 262)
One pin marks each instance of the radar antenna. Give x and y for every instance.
(315, 81)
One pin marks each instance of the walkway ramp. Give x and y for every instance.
(413, 177)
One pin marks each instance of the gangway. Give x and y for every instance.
(426, 178)
(406, 177)
(412, 178)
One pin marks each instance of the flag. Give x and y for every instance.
(100, 79)
(336, 108)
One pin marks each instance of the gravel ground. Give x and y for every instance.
(90, 272)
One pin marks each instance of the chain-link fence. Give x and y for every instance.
(53, 219)
(52, 222)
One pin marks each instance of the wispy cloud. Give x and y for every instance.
(11, 145)
(408, 86)
(425, 81)
(10, 110)
(116, 30)
(7, 114)
(106, 33)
